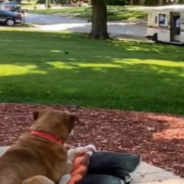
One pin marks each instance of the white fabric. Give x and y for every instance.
(122, 182)
(177, 23)
(71, 155)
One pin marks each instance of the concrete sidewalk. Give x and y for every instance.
(147, 174)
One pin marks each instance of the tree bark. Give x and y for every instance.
(180, 1)
(160, 2)
(48, 4)
(131, 2)
(89, 2)
(136, 2)
(99, 20)
(141, 2)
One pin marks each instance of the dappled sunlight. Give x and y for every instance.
(170, 133)
(98, 65)
(71, 69)
(72, 65)
(56, 51)
(158, 66)
(10, 69)
(150, 62)
(60, 65)
(72, 59)
(170, 127)
(136, 46)
(171, 71)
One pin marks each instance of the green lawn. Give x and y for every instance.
(114, 12)
(62, 68)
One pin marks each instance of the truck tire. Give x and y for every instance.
(155, 37)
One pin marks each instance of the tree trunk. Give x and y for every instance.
(136, 2)
(152, 3)
(166, 2)
(160, 2)
(48, 4)
(89, 2)
(131, 2)
(141, 2)
(180, 1)
(99, 20)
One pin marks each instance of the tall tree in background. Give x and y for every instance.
(99, 17)
(99, 20)
(48, 4)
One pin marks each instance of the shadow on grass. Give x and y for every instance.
(69, 69)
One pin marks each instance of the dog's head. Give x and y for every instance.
(55, 122)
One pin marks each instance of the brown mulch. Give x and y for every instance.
(158, 138)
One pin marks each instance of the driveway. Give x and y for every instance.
(64, 23)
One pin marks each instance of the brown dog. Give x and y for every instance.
(38, 180)
(40, 151)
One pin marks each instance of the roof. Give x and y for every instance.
(167, 8)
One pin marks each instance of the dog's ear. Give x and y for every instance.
(74, 119)
(35, 115)
(38, 114)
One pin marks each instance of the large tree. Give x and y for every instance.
(99, 20)
(99, 17)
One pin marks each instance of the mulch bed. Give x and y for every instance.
(158, 138)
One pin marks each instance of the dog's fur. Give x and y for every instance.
(81, 156)
(38, 180)
(32, 155)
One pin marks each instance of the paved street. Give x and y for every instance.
(63, 23)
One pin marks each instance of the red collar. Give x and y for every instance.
(47, 136)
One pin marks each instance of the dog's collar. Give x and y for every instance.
(47, 136)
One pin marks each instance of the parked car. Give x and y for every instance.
(11, 6)
(10, 18)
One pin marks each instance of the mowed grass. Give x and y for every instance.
(113, 13)
(68, 69)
